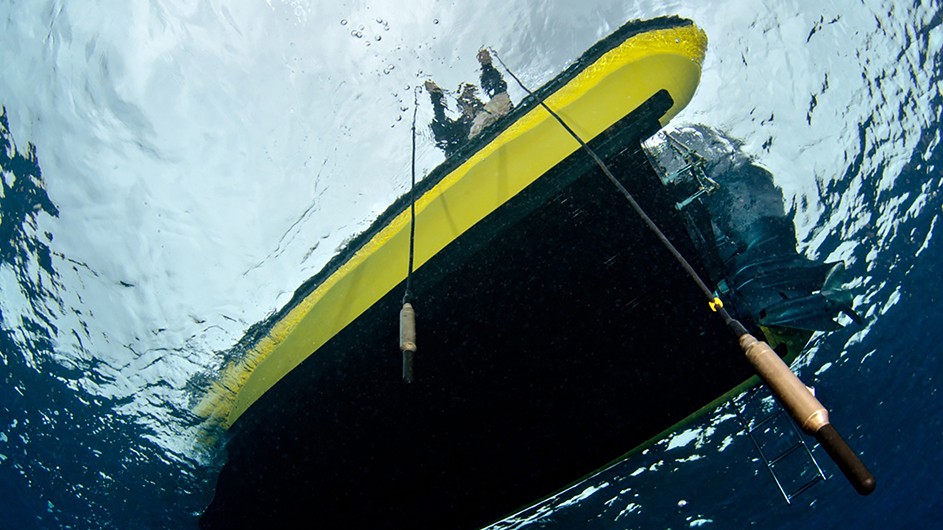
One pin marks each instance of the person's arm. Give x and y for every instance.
(438, 105)
(492, 82)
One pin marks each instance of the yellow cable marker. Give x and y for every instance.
(716, 304)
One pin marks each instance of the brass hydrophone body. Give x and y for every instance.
(806, 410)
(407, 339)
(786, 386)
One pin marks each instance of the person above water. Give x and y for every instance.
(496, 88)
(450, 134)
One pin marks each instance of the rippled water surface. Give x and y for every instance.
(172, 171)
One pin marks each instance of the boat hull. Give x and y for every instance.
(555, 333)
(558, 336)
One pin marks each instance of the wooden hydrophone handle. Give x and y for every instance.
(796, 398)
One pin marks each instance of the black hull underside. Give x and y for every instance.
(553, 337)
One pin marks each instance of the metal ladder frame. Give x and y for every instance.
(770, 463)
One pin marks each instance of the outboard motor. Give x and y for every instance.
(776, 286)
(736, 218)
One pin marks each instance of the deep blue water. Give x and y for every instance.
(172, 171)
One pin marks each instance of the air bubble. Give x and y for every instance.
(435, 21)
(343, 22)
(378, 38)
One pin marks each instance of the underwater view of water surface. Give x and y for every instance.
(173, 170)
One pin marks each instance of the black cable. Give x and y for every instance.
(735, 326)
(407, 296)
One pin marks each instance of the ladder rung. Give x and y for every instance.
(791, 449)
(767, 419)
(813, 481)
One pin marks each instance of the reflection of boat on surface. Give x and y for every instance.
(555, 333)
